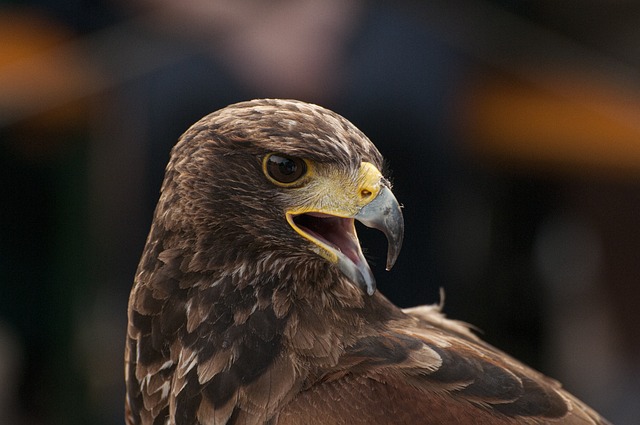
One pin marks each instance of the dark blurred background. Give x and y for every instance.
(511, 129)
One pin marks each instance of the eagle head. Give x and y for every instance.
(277, 182)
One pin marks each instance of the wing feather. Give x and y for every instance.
(427, 369)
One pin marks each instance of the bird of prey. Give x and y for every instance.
(253, 302)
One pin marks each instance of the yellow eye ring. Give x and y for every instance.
(284, 170)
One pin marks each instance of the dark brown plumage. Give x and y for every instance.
(253, 304)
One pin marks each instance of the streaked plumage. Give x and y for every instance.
(244, 311)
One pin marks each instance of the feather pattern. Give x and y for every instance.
(235, 319)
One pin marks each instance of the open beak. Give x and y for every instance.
(335, 235)
(384, 214)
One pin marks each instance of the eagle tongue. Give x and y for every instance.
(340, 233)
(354, 266)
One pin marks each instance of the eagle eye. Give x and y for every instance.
(284, 169)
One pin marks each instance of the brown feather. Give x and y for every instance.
(235, 318)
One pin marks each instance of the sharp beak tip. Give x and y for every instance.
(385, 214)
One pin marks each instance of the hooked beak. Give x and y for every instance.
(333, 232)
(384, 214)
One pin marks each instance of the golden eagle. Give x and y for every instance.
(253, 302)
